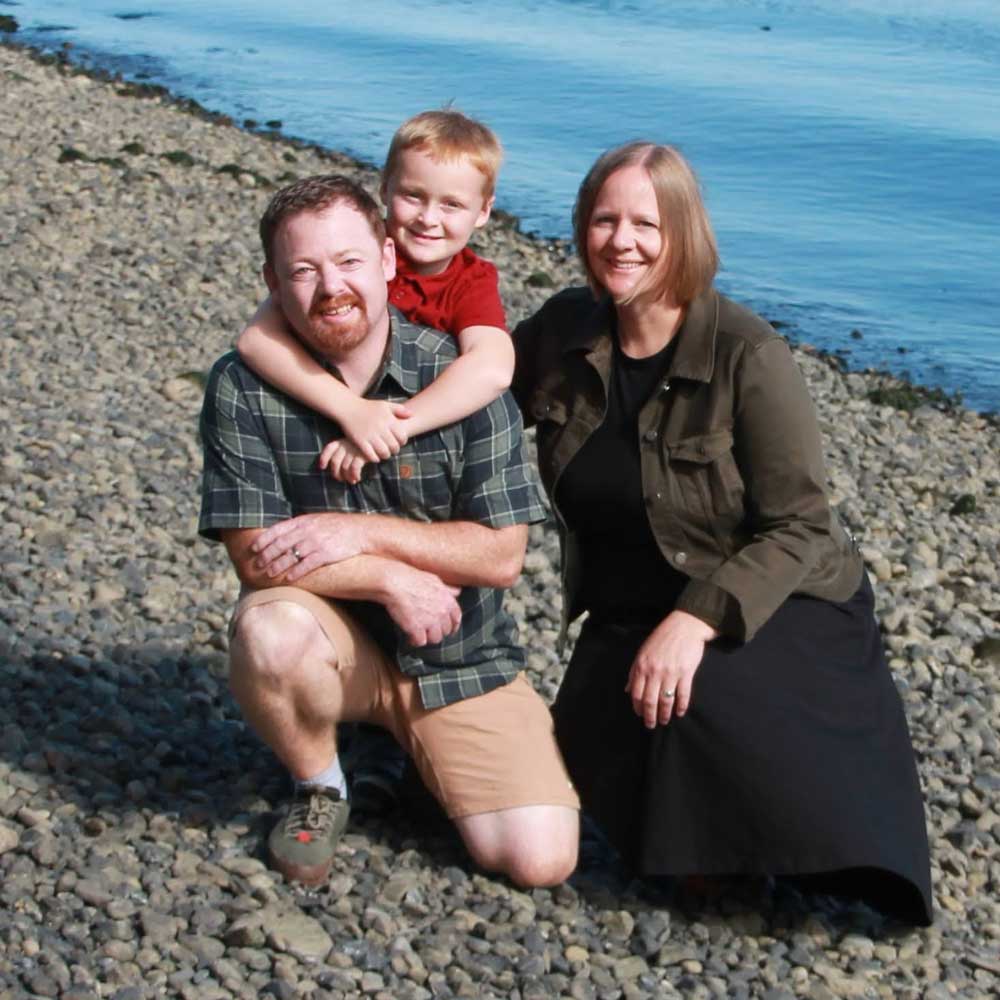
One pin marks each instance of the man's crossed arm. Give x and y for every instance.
(414, 569)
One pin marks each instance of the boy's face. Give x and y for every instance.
(433, 208)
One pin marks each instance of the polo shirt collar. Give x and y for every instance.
(457, 263)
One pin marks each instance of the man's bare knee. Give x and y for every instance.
(534, 846)
(529, 866)
(541, 869)
(271, 640)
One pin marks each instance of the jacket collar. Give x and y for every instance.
(695, 355)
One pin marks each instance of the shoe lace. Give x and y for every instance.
(312, 811)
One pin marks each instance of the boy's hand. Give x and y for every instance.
(375, 427)
(342, 460)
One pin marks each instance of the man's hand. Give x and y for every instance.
(423, 607)
(663, 670)
(304, 543)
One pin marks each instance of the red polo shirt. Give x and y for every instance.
(466, 293)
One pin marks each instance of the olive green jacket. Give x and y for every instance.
(731, 457)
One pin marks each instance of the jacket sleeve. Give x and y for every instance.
(778, 450)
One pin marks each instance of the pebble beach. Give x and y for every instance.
(133, 799)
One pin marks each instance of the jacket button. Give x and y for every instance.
(650, 436)
(665, 387)
(681, 558)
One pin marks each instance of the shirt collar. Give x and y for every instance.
(457, 263)
(400, 362)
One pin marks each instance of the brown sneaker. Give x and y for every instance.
(303, 843)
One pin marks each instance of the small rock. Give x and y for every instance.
(297, 934)
(9, 838)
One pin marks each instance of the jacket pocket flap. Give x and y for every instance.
(702, 448)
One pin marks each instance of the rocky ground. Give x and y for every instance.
(132, 798)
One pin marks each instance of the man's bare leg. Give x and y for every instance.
(534, 846)
(283, 674)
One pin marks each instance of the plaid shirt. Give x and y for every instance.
(261, 449)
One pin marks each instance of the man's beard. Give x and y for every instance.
(336, 336)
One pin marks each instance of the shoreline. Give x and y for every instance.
(133, 799)
(899, 390)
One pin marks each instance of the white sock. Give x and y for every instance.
(332, 776)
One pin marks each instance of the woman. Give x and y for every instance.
(727, 708)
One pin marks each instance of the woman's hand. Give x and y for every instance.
(663, 670)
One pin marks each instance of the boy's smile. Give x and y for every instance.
(433, 208)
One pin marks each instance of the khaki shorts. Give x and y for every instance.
(482, 754)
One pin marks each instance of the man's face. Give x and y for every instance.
(328, 274)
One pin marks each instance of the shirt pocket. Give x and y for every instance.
(709, 480)
(415, 483)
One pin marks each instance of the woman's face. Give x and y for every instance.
(624, 240)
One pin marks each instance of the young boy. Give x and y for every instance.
(438, 187)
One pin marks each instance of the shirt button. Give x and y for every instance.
(681, 558)
(650, 436)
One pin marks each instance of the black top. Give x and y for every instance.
(625, 579)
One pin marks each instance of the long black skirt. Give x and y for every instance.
(794, 758)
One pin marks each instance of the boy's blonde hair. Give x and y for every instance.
(448, 135)
(690, 257)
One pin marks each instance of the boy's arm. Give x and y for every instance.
(267, 346)
(473, 380)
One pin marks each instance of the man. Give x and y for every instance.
(398, 617)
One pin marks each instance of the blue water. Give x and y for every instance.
(850, 152)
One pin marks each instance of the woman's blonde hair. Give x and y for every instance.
(689, 259)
